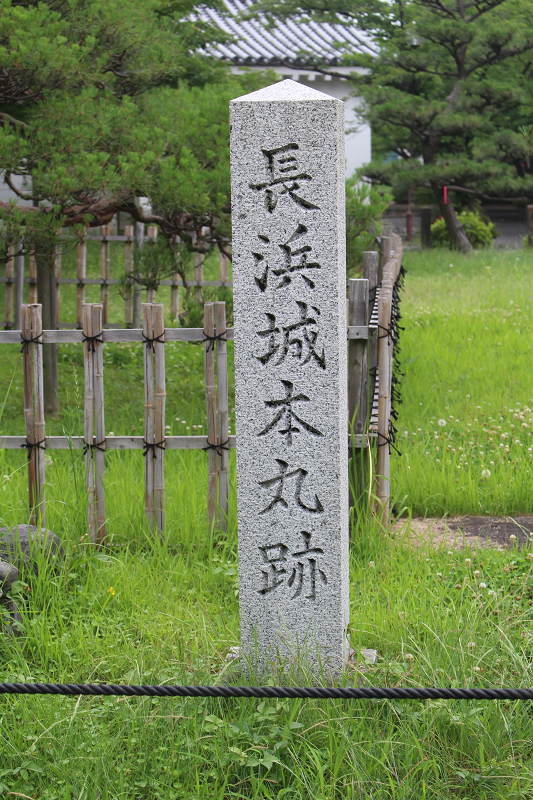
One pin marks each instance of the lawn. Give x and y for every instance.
(142, 612)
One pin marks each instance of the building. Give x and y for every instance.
(292, 50)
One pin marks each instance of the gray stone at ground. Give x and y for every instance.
(11, 618)
(8, 575)
(288, 191)
(19, 546)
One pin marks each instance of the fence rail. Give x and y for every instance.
(372, 316)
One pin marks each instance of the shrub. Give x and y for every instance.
(479, 232)
(364, 206)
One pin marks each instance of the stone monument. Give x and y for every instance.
(289, 274)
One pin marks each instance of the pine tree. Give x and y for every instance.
(445, 86)
(103, 101)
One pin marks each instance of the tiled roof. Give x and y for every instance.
(289, 43)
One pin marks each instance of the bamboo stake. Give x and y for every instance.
(81, 274)
(89, 421)
(222, 394)
(128, 266)
(99, 425)
(25, 322)
(160, 399)
(10, 275)
(211, 403)
(57, 271)
(383, 459)
(32, 291)
(149, 413)
(105, 264)
(38, 394)
(198, 273)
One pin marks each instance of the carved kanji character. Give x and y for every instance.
(299, 339)
(286, 415)
(284, 177)
(299, 475)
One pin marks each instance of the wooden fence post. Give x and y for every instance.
(160, 400)
(88, 428)
(358, 382)
(105, 273)
(152, 235)
(223, 268)
(222, 397)
(99, 423)
(211, 403)
(57, 275)
(149, 414)
(81, 269)
(10, 274)
(38, 397)
(198, 274)
(137, 292)
(19, 284)
(27, 354)
(32, 291)
(384, 254)
(128, 267)
(425, 226)
(175, 292)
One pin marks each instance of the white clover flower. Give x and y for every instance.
(371, 564)
(477, 573)
(468, 561)
(441, 422)
(482, 585)
(491, 592)
(48, 461)
(512, 537)
(7, 478)
(476, 669)
(183, 422)
(409, 657)
(110, 433)
(471, 645)
(485, 473)
(439, 574)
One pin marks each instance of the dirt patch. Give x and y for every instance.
(458, 532)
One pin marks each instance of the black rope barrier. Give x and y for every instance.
(284, 692)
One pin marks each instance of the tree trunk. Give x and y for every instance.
(460, 240)
(46, 295)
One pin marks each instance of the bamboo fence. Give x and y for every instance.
(371, 340)
(15, 278)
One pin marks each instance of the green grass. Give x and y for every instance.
(142, 612)
(467, 358)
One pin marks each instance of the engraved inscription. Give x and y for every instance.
(304, 571)
(284, 177)
(299, 339)
(286, 417)
(297, 478)
(291, 262)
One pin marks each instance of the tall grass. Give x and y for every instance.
(143, 611)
